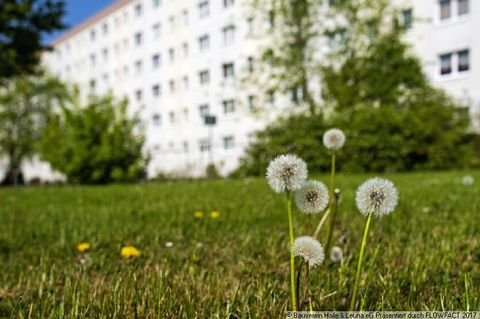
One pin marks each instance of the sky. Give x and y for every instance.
(77, 12)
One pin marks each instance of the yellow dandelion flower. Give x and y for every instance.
(198, 214)
(215, 214)
(129, 251)
(83, 247)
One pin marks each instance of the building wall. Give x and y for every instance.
(102, 59)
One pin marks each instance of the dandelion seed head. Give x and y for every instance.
(334, 139)
(312, 197)
(309, 249)
(286, 173)
(468, 180)
(169, 244)
(378, 196)
(336, 254)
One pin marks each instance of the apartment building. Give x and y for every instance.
(180, 62)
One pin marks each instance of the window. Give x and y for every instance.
(171, 116)
(105, 79)
(92, 35)
(105, 54)
(271, 97)
(446, 64)
(228, 106)
(171, 55)
(271, 19)
(92, 85)
(105, 28)
(204, 42)
(185, 17)
(156, 119)
(250, 64)
(93, 60)
(204, 110)
(138, 10)
(228, 3)
(251, 102)
(138, 95)
(407, 18)
(228, 142)
(228, 71)
(204, 145)
(157, 3)
(138, 67)
(185, 115)
(185, 82)
(171, 23)
(156, 91)
(250, 26)
(156, 61)
(138, 38)
(337, 39)
(157, 30)
(228, 34)
(463, 7)
(445, 9)
(171, 85)
(185, 49)
(204, 77)
(204, 9)
(296, 94)
(185, 146)
(463, 61)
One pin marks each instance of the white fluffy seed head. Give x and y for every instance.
(334, 139)
(309, 249)
(378, 196)
(287, 173)
(336, 254)
(312, 197)
(468, 180)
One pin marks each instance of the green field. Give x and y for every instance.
(424, 256)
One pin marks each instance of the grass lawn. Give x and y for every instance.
(424, 256)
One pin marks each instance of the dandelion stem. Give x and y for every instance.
(332, 206)
(292, 257)
(307, 282)
(299, 277)
(332, 225)
(360, 260)
(321, 223)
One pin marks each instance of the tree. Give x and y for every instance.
(25, 104)
(289, 59)
(22, 24)
(95, 144)
(377, 93)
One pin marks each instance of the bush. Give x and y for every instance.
(95, 144)
(429, 134)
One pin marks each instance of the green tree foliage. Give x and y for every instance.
(288, 58)
(94, 144)
(376, 92)
(297, 134)
(25, 105)
(22, 24)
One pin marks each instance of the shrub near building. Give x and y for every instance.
(95, 144)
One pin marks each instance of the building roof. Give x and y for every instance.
(91, 21)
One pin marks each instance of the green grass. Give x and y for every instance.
(425, 256)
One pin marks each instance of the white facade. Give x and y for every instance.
(179, 60)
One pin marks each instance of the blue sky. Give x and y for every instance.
(77, 12)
